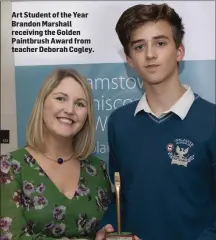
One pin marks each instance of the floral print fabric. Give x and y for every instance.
(32, 207)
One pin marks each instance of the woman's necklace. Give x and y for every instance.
(59, 160)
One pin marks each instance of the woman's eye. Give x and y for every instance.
(79, 104)
(61, 99)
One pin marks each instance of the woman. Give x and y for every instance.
(54, 188)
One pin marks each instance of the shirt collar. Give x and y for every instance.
(180, 108)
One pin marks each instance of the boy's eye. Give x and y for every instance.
(139, 47)
(160, 43)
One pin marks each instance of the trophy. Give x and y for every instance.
(119, 235)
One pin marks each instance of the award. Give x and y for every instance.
(119, 235)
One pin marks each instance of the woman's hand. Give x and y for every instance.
(107, 229)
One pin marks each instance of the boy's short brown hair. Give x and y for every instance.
(136, 16)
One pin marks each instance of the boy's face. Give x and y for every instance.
(153, 53)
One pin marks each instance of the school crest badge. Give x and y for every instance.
(179, 152)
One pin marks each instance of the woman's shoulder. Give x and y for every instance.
(17, 153)
(98, 163)
(11, 165)
(15, 156)
(95, 160)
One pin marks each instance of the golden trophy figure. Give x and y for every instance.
(119, 235)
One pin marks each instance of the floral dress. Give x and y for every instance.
(32, 207)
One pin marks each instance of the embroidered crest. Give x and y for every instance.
(179, 152)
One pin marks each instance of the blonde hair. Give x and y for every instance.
(84, 140)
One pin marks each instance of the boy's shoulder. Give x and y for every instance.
(127, 110)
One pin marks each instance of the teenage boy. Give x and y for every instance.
(163, 145)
